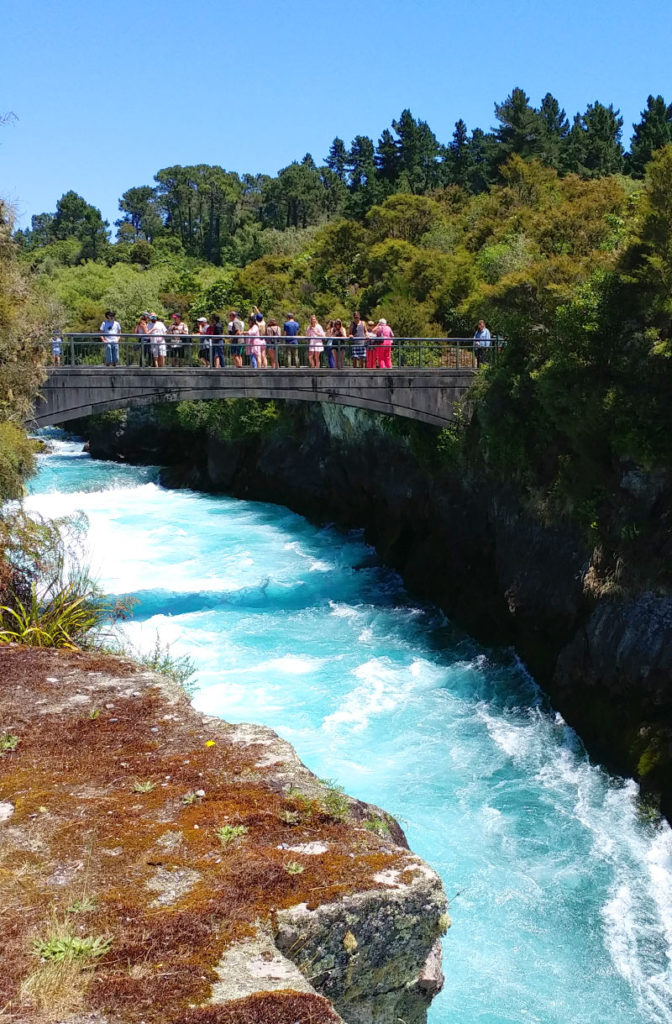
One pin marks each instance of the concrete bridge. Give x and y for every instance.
(427, 395)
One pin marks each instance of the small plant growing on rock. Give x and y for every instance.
(335, 802)
(83, 905)
(143, 787)
(229, 833)
(377, 825)
(292, 867)
(8, 742)
(65, 946)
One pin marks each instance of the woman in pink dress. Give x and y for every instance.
(315, 333)
(252, 346)
(384, 350)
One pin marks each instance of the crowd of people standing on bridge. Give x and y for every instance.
(260, 343)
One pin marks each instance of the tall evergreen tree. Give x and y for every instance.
(459, 162)
(653, 132)
(365, 189)
(555, 129)
(140, 211)
(484, 159)
(387, 159)
(418, 154)
(594, 143)
(75, 218)
(521, 128)
(337, 159)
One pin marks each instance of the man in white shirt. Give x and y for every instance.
(110, 329)
(481, 342)
(157, 340)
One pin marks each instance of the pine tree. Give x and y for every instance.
(387, 158)
(418, 153)
(337, 159)
(555, 129)
(459, 161)
(521, 128)
(594, 143)
(653, 132)
(365, 189)
(484, 159)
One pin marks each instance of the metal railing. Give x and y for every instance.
(271, 352)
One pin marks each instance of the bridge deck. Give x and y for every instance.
(428, 395)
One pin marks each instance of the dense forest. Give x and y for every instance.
(547, 229)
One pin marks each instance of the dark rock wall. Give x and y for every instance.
(466, 544)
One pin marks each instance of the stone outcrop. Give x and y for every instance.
(223, 882)
(473, 548)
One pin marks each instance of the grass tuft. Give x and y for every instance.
(144, 786)
(65, 946)
(292, 867)
(229, 833)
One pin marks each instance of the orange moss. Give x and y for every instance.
(280, 1007)
(80, 830)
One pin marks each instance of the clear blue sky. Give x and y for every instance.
(105, 94)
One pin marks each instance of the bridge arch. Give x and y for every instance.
(425, 395)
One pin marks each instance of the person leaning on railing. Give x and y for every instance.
(481, 343)
(177, 330)
(110, 329)
(235, 328)
(359, 338)
(291, 328)
(272, 332)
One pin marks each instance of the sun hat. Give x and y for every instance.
(202, 320)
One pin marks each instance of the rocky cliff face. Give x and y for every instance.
(468, 545)
(194, 872)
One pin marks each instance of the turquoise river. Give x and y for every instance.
(564, 905)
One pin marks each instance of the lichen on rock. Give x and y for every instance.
(206, 873)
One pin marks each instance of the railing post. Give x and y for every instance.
(457, 353)
(72, 350)
(420, 352)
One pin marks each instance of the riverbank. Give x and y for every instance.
(197, 869)
(604, 655)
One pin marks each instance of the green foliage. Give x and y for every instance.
(83, 905)
(334, 801)
(65, 619)
(159, 659)
(377, 825)
(65, 946)
(143, 786)
(17, 459)
(8, 742)
(227, 834)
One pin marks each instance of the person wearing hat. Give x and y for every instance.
(177, 329)
(235, 329)
(205, 341)
(157, 333)
(383, 352)
(56, 347)
(110, 329)
(142, 330)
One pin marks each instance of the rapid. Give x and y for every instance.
(561, 886)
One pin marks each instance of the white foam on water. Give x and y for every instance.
(343, 611)
(383, 687)
(568, 911)
(317, 565)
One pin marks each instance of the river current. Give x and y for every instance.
(562, 908)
